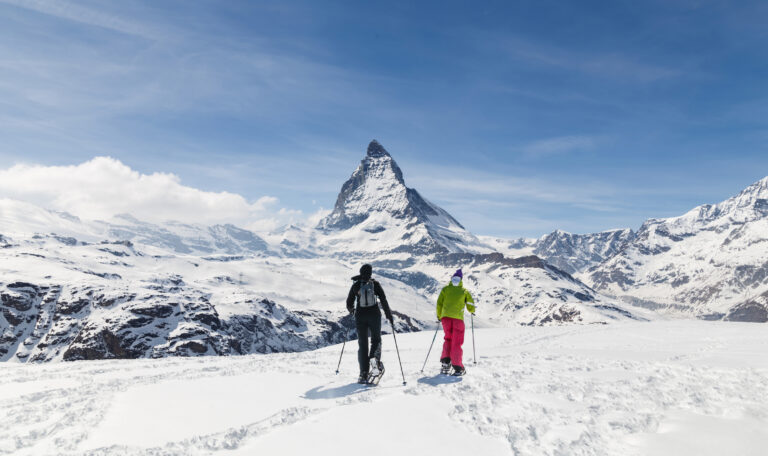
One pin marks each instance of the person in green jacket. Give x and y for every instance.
(450, 311)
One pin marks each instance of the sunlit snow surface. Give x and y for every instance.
(681, 387)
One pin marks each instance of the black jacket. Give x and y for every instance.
(353, 297)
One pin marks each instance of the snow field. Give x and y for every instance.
(679, 387)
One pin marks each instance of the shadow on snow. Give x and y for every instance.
(439, 380)
(339, 391)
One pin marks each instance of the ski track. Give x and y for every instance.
(548, 391)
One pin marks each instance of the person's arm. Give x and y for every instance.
(383, 299)
(440, 305)
(351, 297)
(469, 301)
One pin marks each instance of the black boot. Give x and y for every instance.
(445, 365)
(458, 371)
(363, 378)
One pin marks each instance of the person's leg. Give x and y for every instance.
(457, 339)
(374, 324)
(446, 355)
(362, 343)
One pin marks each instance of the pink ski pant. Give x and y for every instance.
(454, 338)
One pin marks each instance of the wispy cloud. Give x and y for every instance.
(77, 12)
(607, 65)
(560, 145)
(509, 189)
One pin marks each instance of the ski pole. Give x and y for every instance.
(430, 348)
(474, 354)
(343, 344)
(398, 352)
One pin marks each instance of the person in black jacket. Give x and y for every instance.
(362, 300)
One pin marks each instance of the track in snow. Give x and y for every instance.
(635, 388)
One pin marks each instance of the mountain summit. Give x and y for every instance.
(375, 204)
(377, 150)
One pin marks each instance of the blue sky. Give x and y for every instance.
(517, 117)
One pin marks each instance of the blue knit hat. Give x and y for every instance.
(458, 274)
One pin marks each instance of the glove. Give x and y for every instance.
(351, 310)
(391, 319)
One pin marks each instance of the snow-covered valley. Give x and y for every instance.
(655, 388)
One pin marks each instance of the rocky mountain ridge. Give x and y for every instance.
(711, 262)
(573, 253)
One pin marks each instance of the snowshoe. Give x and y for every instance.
(445, 368)
(376, 372)
(458, 371)
(363, 378)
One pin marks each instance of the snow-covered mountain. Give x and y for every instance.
(124, 288)
(573, 253)
(375, 213)
(131, 289)
(710, 263)
(378, 219)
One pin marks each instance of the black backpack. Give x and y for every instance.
(366, 297)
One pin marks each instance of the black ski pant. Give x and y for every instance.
(368, 322)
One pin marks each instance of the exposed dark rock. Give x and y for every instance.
(116, 253)
(154, 310)
(617, 310)
(680, 281)
(12, 317)
(70, 241)
(138, 322)
(761, 206)
(73, 307)
(561, 314)
(194, 346)
(103, 275)
(92, 344)
(750, 311)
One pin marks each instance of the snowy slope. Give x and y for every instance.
(659, 388)
(65, 298)
(711, 262)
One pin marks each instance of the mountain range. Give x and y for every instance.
(124, 288)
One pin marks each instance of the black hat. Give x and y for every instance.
(366, 271)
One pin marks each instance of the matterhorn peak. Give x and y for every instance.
(376, 185)
(377, 150)
(375, 199)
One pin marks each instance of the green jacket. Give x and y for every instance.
(452, 300)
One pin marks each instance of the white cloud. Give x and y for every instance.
(103, 187)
